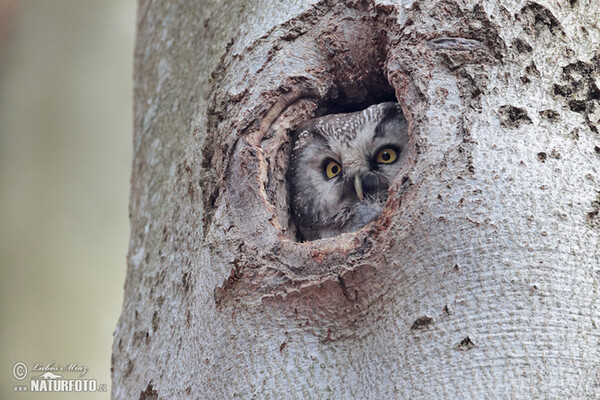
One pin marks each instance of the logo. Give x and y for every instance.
(48, 375)
(54, 377)
(20, 371)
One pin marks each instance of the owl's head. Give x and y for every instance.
(341, 168)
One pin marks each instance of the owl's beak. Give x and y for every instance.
(358, 187)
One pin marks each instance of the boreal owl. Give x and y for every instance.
(341, 167)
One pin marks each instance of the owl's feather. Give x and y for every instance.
(323, 206)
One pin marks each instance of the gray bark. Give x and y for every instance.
(480, 278)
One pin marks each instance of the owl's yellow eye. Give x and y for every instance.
(386, 156)
(332, 169)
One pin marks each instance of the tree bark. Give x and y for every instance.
(479, 280)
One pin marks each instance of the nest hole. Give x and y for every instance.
(353, 55)
(343, 99)
(348, 101)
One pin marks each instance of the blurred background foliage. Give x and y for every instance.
(65, 159)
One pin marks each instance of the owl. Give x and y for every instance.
(341, 167)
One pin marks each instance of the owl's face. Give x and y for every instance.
(341, 169)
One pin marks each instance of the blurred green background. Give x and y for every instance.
(65, 159)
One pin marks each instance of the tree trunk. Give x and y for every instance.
(480, 278)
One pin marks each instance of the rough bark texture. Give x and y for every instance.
(480, 278)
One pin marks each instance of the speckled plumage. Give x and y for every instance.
(325, 207)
